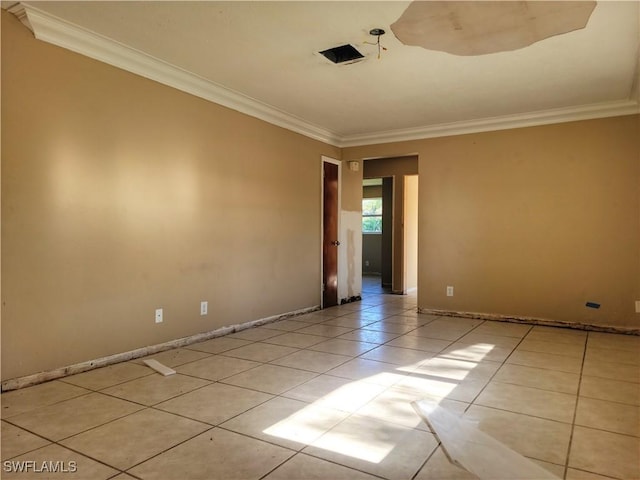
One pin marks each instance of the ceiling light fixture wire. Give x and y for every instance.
(378, 32)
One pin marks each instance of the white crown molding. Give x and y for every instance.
(54, 30)
(531, 119)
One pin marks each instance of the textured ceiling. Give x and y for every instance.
(268, 51)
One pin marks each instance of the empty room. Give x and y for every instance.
(270, 240)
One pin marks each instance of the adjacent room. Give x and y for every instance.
(385, 240)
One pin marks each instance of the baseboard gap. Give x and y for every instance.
(532, 321)
(41, 377)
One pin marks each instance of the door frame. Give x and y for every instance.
(323, 160)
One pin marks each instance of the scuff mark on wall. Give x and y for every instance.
(350, 278)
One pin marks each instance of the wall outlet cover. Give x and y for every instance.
(158, 315)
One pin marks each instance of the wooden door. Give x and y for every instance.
(330, 241)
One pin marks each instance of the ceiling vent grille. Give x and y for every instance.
(342, 54)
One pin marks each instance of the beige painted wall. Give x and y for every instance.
(530, 222)
(121, 195)
(411, 232)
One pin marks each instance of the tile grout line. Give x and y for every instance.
(575, 409)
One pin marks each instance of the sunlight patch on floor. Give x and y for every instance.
(435, 378)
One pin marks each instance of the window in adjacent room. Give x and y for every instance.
(372, 215)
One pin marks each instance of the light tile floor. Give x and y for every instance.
(327, 396)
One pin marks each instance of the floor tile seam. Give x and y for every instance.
(127, 473)
(500, 334)
(104, 392)
(536, 417)
(611, 401)
(315, 371)
(560, 346)
(208, 384)
(541, 368)
(49, 442)
(178, 364)
(154, 404)
(599, 377)
(126, 470)
(58, 403)
(600, 429)
(300, 369)
(618, 362)
(445, 356)
(616, 339)
(286, 460)
(270, 393)
(329, 461)
(305, 325)
(591, 363)
(263, 361)
(247, 435)
(418, 349)
(59, 440)
(213, 353)
(88, 392)
(102, 462)
(387, 331)
(575, 410)
(345, 354)
(596, 473)
(430, 456)
(271, 397)
(529, 414)
(472, 402)
(371, 360)
(265, 340)
(351, 329)
(626, 364)
(534, 388)
(258, 364)
(318, 457)
(65, 380)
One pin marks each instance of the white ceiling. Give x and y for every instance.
(261, 57)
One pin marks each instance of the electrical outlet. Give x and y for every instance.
(637, 306)
(204, 306)
(449, 291)
(158, 315)
(366, 263)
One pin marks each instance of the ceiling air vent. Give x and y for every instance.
(342, 54)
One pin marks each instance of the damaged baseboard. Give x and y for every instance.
(34, 379)
(531, 321)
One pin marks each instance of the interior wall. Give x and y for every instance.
(387, 264)
(411, 232)
(121, 195)
(350, 248)
(530, 222)
(395, 167)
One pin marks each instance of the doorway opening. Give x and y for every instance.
(390, 225)
(377, 238)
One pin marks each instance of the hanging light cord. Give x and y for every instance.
(378, 32)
